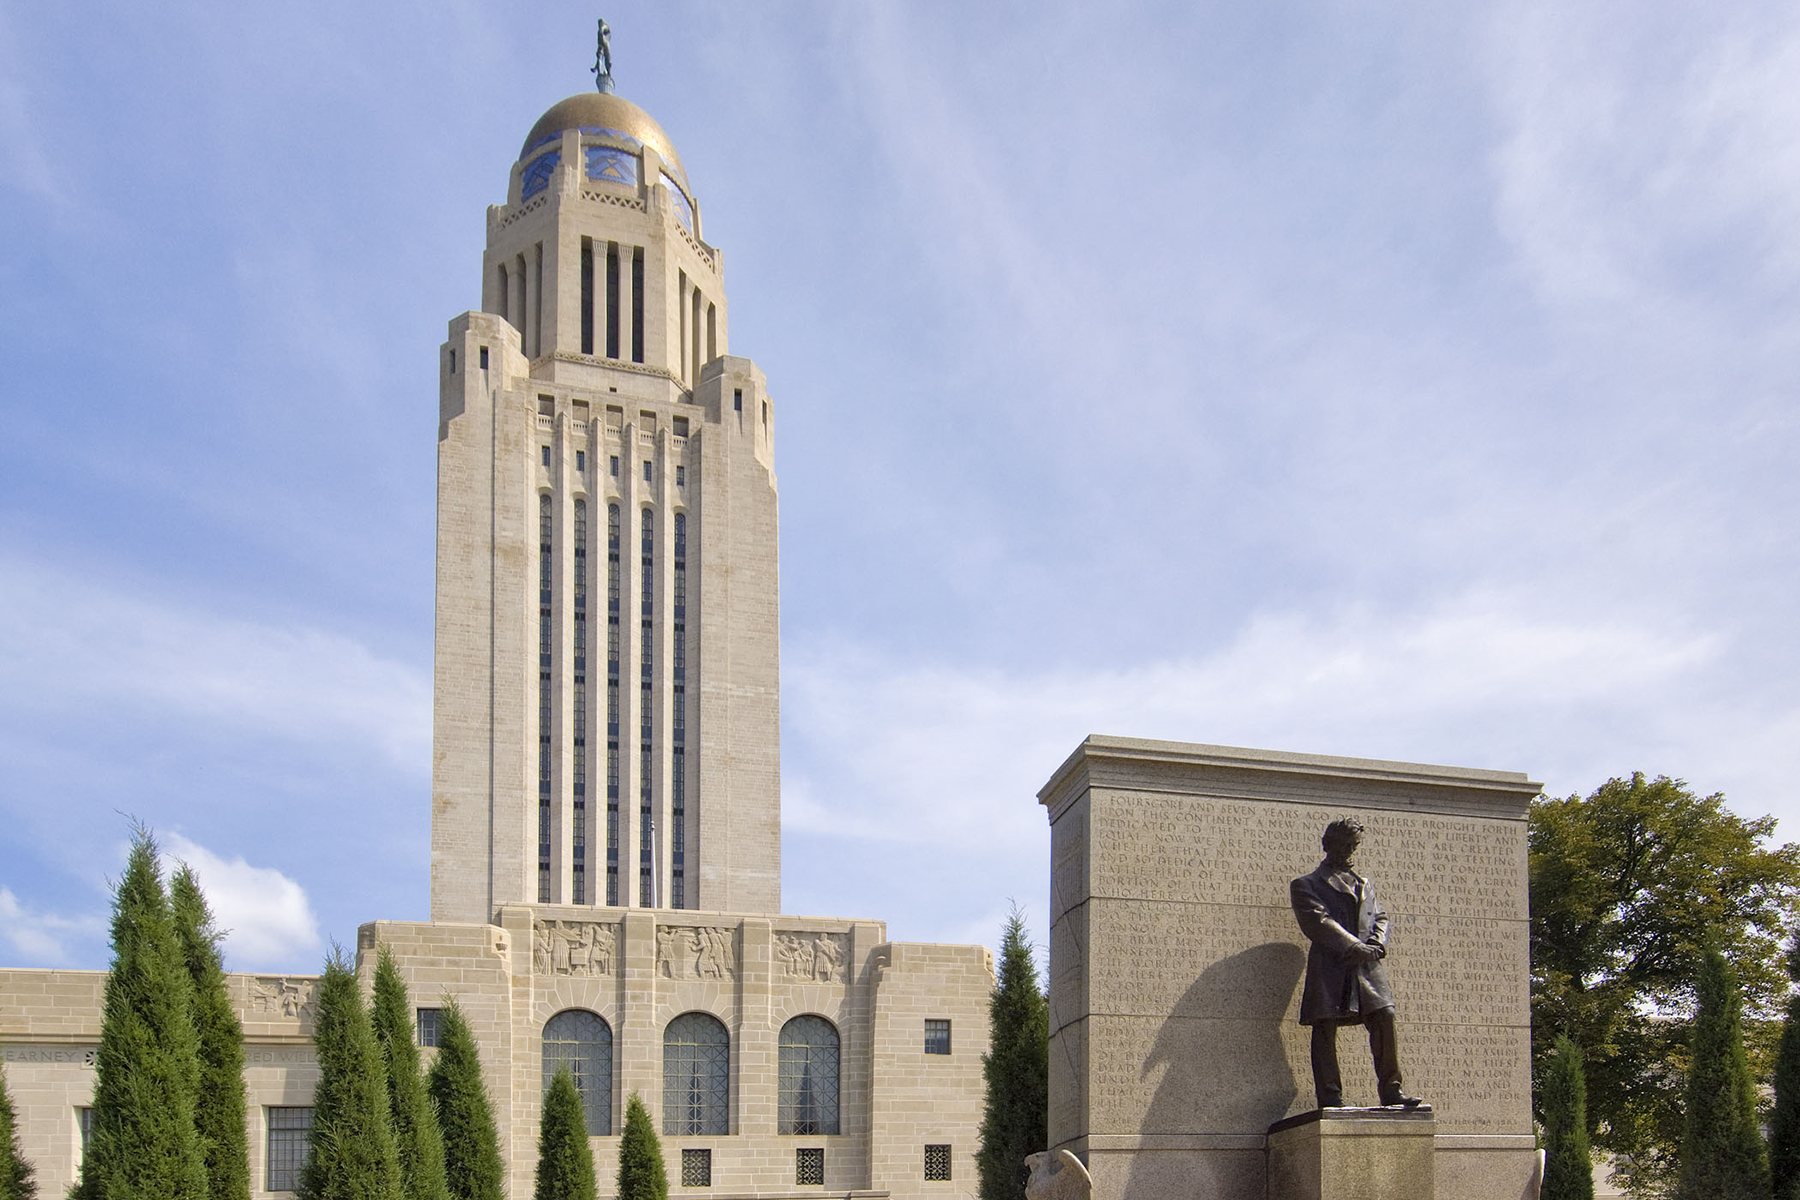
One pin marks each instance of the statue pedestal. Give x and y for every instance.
(1354, 1154)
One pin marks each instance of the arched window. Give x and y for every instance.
(583, 1041)
(696, 1076)
(809, 1077)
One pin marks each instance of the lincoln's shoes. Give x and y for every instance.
(1399, 1099)
(1328, 1100)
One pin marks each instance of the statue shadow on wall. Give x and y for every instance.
(1225, 1067)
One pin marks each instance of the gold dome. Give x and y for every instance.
(602, 110)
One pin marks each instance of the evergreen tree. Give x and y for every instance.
(416, 1139)
(565, 1166)
(1784, 1125)
(1722, 1154)
(219, 1105)
(1568, 1167)
(16, 1182)
(473, 1167)
(352, 1141)
(1015, 1118)
(144, 1145)
(641, 1172)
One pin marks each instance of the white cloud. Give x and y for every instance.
(65, 644)
(43, 938)
(913, 754)
(266, 916)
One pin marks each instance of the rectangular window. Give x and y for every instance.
(937, 1163)
(84, 1121)
(484, 358)
(546, 456)
(453, 362)
(581, 462)
(765, 412)
(637, 304)
(696, 1168)
(587, 295)
(737, 394)
(937, 1036)
(809, 1165)
(680, 475)
(428, 1026)
(646, 472)
(289, 1130)
(615, 466)
(546, 406)
(681, 426)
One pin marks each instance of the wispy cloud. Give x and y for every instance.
(66, 644)
(44, 938)
(267, 918)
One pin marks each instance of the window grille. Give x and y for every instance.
(696, 1168)
(696, 1076)
(289, 1143)
(428, 1026)
(582, 1041)
(937, 1163)
(808, 1100)
(809, 1165)
(937, 1036)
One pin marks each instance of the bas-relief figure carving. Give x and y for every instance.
(1057, 1175)
(288, 997)
(580, 948)
(818, 957)
(1346, 983)
(695, 952)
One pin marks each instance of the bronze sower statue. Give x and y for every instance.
(1345, 981)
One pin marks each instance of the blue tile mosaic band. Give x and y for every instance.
(537, 174)
(613, 166)
(683, 209)
(617, 135)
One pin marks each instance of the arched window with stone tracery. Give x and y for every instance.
(583, 1041)
(808, 1099)
(696, 1076)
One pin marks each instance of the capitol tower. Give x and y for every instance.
(606, 698)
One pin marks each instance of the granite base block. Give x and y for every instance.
(1354, 1154)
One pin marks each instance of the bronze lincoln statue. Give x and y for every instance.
(1346, 983)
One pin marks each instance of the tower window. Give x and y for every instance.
(680, 475)
(484, 358)
(615, 466)
(453, 362)
(646, 471)
(765, 412)
(737, 394)
(581, 461)
(546, 456)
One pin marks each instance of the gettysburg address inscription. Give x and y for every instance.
(1176, 964)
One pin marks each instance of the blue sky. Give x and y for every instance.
(1407, 382)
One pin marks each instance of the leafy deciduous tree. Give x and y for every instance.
(352, 1141)
(144, 1145)
(641, 1172)
(473, 1167)
(219, 1104)
(1015, 1117)
(565, 1166)
(417, 1143)
(16, 1182)
(1568, 1167)
(1722, 1154)
(1626, 886)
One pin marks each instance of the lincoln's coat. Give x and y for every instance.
(1335, 916)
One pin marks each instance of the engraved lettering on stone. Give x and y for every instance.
(79, 1055)
(291, 998)
(583, 949)
(695, 952)
(819, 957)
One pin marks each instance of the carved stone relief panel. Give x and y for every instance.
(696, 952)
(584, 949)
(279, 996)
(816, 957)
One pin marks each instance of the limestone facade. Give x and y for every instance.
(636, 970)
(1176, 963)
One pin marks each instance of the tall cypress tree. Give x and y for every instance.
(16, 1182)
(472, 1164)
(1784, 1125)
(1568, 1167)
(352, 1141)
(1722, 1154)
(144, 1145)
(1015, 1117)
(416, 1139)
(565, 1165)
(641, 1172)
(219, 1105)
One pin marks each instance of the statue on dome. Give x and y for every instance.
(603, 58)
